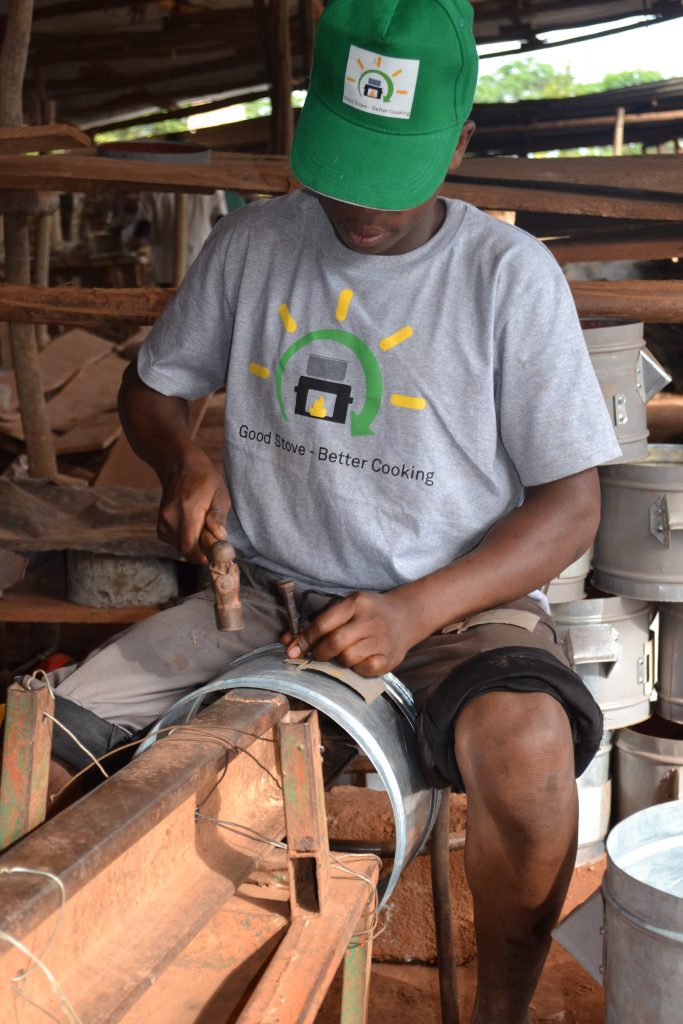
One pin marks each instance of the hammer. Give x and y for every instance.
(225, 577)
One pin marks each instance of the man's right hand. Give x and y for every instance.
(194, 507)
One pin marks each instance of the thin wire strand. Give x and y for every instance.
(246, 832)
(62, 900)
(78, 743)
(54, 984)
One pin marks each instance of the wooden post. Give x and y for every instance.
(41, 269)
(39, 442)
(25, 761)
(283, 115)
(619, 121)
(309, 11)
(180, 231)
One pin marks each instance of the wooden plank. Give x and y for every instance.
(654, 302)
(135, 849)
(92, 435)
(103, 174)
(521, 196)
(83, 307)
(92, 391)
(658, 242)
(27, 607)
(60, 360)
(41, 138)
(638, 174)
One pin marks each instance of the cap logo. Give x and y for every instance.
(380, 85)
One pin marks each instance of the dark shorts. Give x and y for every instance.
(513, 648)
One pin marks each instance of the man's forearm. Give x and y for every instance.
(155, 424)
(529, 547)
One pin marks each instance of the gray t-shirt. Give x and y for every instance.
(382, 412)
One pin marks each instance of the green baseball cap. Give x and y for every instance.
(392, 84)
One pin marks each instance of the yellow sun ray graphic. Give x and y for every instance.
(396, 339)
(259, 371)
(360, 63)
(395, 74)
(345, 297)
(288, 321)
(408, 402)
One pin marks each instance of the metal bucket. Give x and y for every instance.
(638, 550)
(569, 585)
(384, 729)
(643, 894)
(648, 766)
(670, 687)
(595, 801)
(629, 376)
(609, 644)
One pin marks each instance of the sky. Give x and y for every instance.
(658, 47)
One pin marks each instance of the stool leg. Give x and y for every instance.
(443, 920)
(355, 984)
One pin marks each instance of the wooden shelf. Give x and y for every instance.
(28, 607)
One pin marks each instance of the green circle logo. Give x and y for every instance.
(376, 85)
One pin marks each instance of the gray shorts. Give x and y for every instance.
(136, 677)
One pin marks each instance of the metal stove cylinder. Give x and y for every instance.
(629, 376)
(638, 550)
(648, 766)
(670, 687)
(595, 801)
(569, 585)
(643, 933)
(609, 644)
(384, 729)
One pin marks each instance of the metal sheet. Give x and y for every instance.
(383, 729)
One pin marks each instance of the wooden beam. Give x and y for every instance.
(41, 138)
(648, 243)
(103, 174)
(82, 307)
(24, 606)
(653, 302)
(39, 447)
(283, 115)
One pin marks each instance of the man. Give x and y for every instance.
(412, 425)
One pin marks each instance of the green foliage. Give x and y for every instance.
(143, 131)
(524, 80)
(529, 79)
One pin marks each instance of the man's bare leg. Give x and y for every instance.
(516, 757)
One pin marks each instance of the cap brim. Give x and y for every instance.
(368, 167)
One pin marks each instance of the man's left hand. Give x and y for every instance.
(368, 632)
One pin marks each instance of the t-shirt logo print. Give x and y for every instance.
(378, 84)
(321, 393)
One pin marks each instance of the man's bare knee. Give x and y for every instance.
(515, 753)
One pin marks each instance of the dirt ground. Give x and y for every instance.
(566, 994)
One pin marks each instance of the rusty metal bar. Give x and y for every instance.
(443, 916)
(304, 796)
(297, 978)
(142, 875)
(25, 761)
(356, 981)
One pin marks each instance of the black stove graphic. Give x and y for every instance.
(321, 393)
